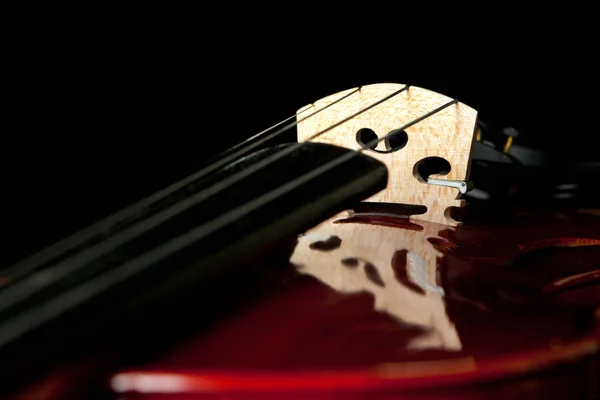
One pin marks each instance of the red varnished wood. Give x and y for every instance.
(519, 316)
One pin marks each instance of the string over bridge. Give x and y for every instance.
(426, 143)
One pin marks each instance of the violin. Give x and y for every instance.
(350, 264)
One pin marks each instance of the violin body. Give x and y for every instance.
(380, 307)
(400, 296)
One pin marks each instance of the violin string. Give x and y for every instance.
(31, 263)
(238, 212)
(30, 285)
(31, 319)
(263, 137)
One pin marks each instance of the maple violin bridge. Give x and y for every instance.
(428, 161)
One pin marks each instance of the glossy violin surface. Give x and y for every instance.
(378, 306)
(412, 293)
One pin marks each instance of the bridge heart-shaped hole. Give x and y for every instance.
(367, 138)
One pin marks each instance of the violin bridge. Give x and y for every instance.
(419, 158)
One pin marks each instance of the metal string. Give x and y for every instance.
(98, 284)
(12, 294)
(29, 264)
(261, 137)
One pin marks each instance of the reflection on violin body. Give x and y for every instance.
(376, 301)
(396, 266)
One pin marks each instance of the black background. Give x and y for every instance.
(100, 114)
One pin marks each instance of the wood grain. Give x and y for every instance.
(448, 134)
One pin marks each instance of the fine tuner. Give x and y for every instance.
(462, 186)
